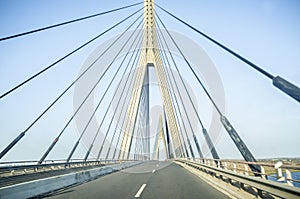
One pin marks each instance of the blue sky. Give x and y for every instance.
(264, 31)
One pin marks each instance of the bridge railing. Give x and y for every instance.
(273, 170)
(239, 172)
(25, 167)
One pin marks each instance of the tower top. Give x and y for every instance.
(149, 29)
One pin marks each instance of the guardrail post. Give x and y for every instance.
(289, 178)
(279, 171)
(219, 164)
(225, 165)
(246, 169)
(12, 172)
(234, 167)
(263, 172)
(213, 164)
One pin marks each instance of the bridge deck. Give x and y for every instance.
(162, 179)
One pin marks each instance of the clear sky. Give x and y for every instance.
(264, 31)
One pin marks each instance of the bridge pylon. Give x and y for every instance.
(150, 57)
(160, 137)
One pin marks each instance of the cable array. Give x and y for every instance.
(22, 134)
(126, 71)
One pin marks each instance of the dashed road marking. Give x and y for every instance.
(138, 194)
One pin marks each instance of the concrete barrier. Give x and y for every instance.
(38, 187)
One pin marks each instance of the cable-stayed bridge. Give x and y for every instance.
(121, 152)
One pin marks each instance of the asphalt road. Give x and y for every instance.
(150, 180)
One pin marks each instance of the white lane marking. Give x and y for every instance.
(137, 195)
(153, 170)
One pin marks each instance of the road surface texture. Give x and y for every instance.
(149, 180)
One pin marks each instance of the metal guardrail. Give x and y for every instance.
(26, 162)
(273, 170)
(259, 183)
(23, 167)
(40, 185)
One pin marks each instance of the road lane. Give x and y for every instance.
(176, 182)
(152, 179)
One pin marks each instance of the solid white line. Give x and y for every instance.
(137, 195)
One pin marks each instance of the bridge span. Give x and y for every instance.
(106, 132)
(181, 178)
